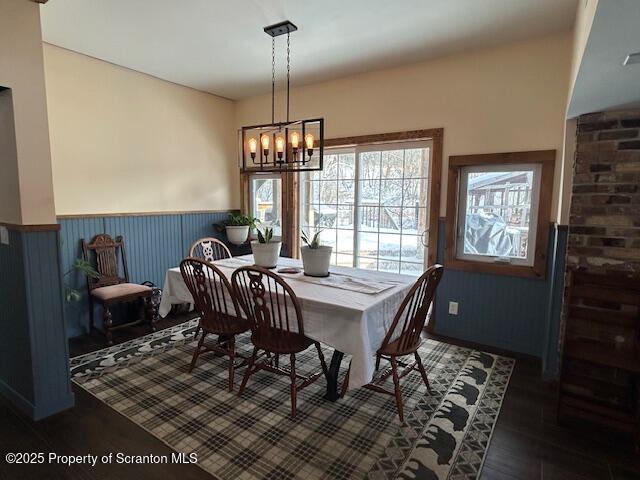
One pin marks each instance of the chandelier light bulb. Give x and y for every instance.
(279, 146)
(308, 140)
(295, 141)
(264, 140)
(253, 147)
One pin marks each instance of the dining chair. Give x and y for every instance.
(112, 285)
(404, 337)
(209, 249)
(217, 306)
(277, 327)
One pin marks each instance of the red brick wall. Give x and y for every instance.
(604, 225)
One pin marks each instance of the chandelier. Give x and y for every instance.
(289, 146)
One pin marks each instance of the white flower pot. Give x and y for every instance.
(237, 235)
(316, 260)
(266, 254)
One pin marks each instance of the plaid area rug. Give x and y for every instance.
(445, 435)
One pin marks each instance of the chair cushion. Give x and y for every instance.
(114, 292)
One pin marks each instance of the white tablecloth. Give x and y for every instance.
(353, 322)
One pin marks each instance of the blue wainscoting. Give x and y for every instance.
(154, 243)
(34, 370)
(506, 312)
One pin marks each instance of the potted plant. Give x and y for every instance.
(315, 257)
(266, 250)
(237, 227)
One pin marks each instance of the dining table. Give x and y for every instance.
(350, 310)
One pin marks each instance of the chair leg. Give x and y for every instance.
(248, 372)
(377, 361)
(107, 322)
(422, 371)
(232, 348)
(196, 354)
(197, 331)
(345, 382)
(151, 313)
(396, 383)
(294, 391)
(277, 360)
(323, 364)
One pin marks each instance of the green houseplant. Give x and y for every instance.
(266, 249)
(71, 294)
(316, 258)
(237, 227)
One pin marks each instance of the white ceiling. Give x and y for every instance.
(603, 83)
(218, 46)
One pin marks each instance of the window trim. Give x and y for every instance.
(546, 159)
(357, 151)
(265, 176)
(290, 189)
(436, 136)
(534, 212)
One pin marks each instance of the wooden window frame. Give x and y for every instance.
(289, 192)
(435, 135)
(547, 160)
(291, 186)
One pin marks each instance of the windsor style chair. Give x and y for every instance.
(403, 337)
(209, 249)
(277, 326)
(110, 287)
(219, 313)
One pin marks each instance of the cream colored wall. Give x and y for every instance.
(9, 179)
(511, 98)
(21, 69)
(124, 142)
(585, 14)
(581, 29)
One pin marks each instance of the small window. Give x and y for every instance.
(266, 201)
(497, 214)
(498, 211)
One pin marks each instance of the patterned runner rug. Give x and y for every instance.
(445, 435)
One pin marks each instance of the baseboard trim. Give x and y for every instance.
(24, 405)
(36, 412)
(54, 406)
(521, 357)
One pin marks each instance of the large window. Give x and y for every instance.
(371, 203)
(266, 201)
(498, 207)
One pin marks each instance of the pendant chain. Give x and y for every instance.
(288, 71)
(273, 80)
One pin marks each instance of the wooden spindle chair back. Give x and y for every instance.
(271, 306)
(275, 318)
(209, 249)
(403, 337)
(212, 294)
(102, 253)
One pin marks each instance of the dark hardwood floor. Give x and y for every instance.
(527, 443)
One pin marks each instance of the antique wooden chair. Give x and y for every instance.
(218, 308)
(403, 337)
(110, 287)
(209, 249)
(276, 326)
